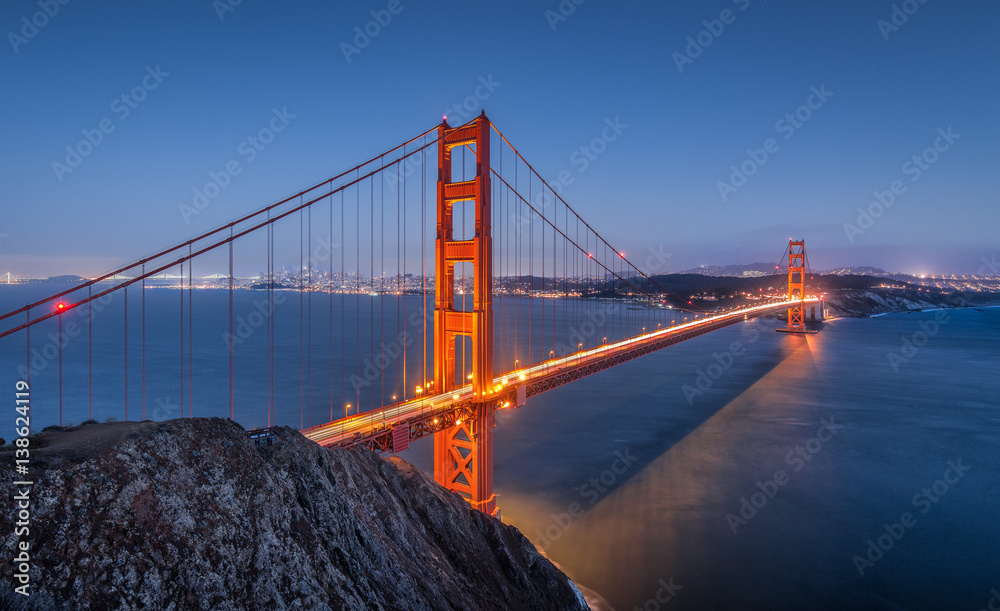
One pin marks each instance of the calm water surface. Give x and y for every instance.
(634, 530)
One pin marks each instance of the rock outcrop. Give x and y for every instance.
(191, 514)
(862, 303)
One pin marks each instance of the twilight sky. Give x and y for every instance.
(748, 121)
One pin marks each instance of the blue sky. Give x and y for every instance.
(210, 82)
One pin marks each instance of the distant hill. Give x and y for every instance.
(862, 270)
(66, 278)
(739, 271)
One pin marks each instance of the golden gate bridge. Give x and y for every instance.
(535, 268)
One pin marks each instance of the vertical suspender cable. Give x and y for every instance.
(301, 329)
(531, 280)
(180, 279)
(423, 256)
(343, 296)
(126, 353)
(60, 336)
(27, 347)
(357, 291)
(190, 334)
(329, 294)
(142, 303)
(232, 342)
(381, 291)
(270, 320)
(90, 355)
(381, 298)
(403, 297)
(399, 285)
(309, 296)
(371, 278)
(517, 268)
(498, 226)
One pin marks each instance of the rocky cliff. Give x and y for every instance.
(190, 514)
(862, 303)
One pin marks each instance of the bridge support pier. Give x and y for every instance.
(463, 458)
(463, 453)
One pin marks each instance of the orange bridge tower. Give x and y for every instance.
(796, 285)
(463, 452)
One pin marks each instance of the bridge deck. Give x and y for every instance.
(428, 414)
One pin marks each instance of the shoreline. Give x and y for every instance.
(968, 307)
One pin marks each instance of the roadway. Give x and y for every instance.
(429, 409)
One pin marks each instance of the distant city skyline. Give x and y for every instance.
(683, 128)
